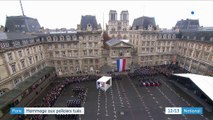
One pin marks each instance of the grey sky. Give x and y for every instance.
(67, 14)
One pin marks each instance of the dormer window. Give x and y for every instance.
(202, 38)
(187, 37)
(160, 36)
(164, 36)
(169, 36)
(173, 36)
(89, 27)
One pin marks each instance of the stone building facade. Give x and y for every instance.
(81, 51)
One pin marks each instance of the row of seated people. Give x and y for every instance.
(143, 72)
(80, 92)
(47, 101)
(67, 117)
(80, 96)
(148, 82)
(79, 79)
(116, 77)
(74, 103)
(86, 72)
(168, 70)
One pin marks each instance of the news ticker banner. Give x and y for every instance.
(184, 110)
(46, 110)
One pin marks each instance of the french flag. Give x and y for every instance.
(121, 65)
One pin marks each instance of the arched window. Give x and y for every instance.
(173, 36)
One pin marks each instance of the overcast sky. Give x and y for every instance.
(67, 14)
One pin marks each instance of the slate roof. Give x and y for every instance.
(113, 11)
(25, 24)
(88, 19)
(204, 36)
(124, 11)
(143, 22)
(188, 24)
(113, 41)
(14, 36)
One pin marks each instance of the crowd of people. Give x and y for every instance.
(80, 94)
(49, 99)
(143, 72)
(52, 95)
(168, 70)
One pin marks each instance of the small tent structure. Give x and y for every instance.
(104, 83)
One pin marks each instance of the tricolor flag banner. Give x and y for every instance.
(121, 65)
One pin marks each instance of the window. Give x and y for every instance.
(17, 81)
(169, 36)
(90, 45)
(96, 52)
(49, 38)
(20, 53)
(96, 61)
(62, 45)
(23, 63)
(85, 52)
(41, 56)
(68, 38)
(30, 60)
(50, 46)
(16, 43)
(70, 61)
(90, 52)
(65, 62)
(113, 52)
(63, 53)
(70, 53)
(59, 62)
(76, 53)
(62, 38)
(36, 57)
(90, 38)
(13, 67)
(173, 36)
(74, 37)
(57, 53)
(91, 61)
(40, 48)
(28, 51)
(10, 57)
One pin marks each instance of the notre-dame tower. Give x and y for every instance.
(118, 28)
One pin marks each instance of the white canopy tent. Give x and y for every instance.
(205, 83)
(104, 83)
